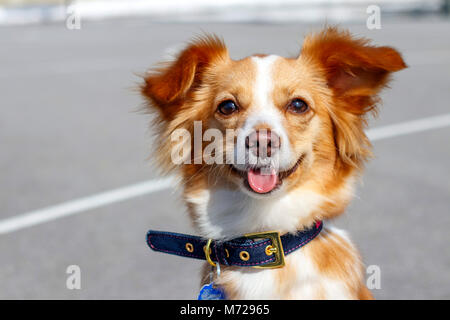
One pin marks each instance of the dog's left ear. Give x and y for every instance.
(354, 69)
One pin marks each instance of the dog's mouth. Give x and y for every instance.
(265, 180)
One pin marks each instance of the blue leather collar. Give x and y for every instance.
(243, 251)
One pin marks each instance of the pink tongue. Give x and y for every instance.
(262, 182)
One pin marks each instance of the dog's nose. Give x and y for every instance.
(263, 143)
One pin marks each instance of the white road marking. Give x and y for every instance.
(33, 218)
(79, 205)
(408, 127)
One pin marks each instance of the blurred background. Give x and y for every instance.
(76, 183)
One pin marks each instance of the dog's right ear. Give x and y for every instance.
(168, 86)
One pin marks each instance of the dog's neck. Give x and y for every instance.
(224, 214)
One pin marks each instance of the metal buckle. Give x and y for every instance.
(207, 250)
(277, 249)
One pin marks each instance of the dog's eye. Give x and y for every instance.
(227, 107)
(297, 106)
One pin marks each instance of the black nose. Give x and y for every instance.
(263, 143)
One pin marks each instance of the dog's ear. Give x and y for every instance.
(353, 68)
(168, 86)
(355, 71)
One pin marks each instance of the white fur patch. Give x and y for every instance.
(224, 214)
(265, 112)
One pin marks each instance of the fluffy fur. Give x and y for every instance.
(322, 151)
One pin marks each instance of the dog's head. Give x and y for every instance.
(267, 129)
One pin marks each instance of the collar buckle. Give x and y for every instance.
(275, 248)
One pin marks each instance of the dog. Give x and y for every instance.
(298, 147)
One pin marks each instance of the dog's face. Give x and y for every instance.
(286, 131)
(269, 102)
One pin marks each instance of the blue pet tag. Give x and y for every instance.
(211, 292)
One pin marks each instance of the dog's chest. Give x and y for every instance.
(323, 269)
(300, 278)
